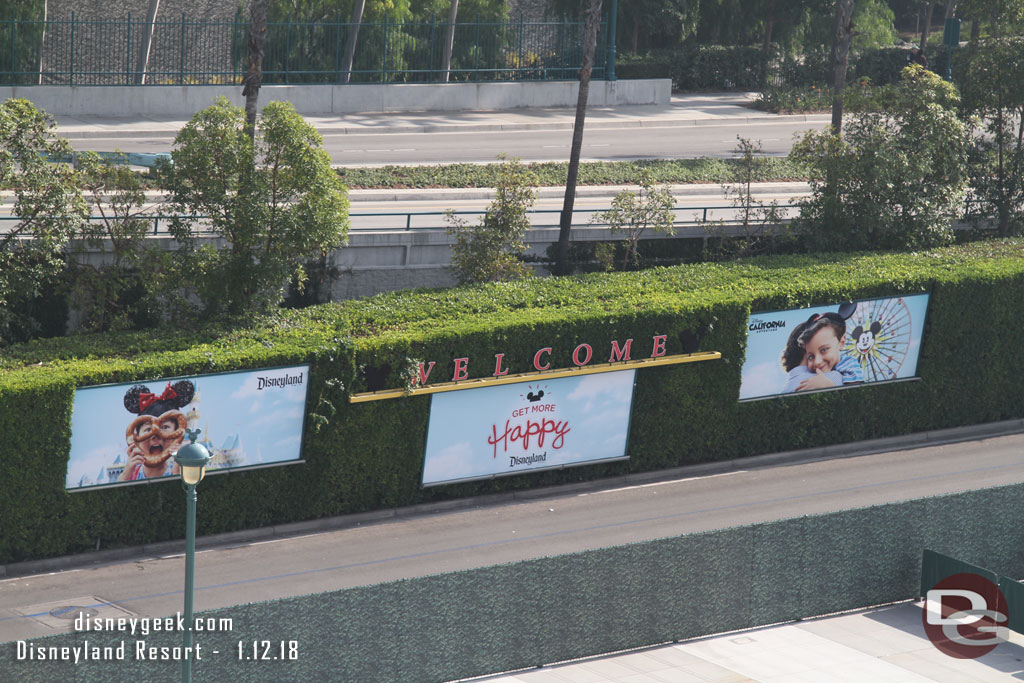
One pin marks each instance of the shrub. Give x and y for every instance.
(632, 213)
(49, 209)
(491, 250)
(276, 202)
(895, 179)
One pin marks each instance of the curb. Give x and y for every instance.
(228, 539)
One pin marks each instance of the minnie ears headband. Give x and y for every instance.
(140, 400)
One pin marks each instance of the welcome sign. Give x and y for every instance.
(536, 424)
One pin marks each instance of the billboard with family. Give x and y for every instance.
(536, 424)
(125, 433)
(834, 346)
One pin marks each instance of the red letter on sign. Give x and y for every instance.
(461, 371)
(498, 372)
(536, 358)
(425, 375)
(576, 355)
(659, 345)
(620, 354)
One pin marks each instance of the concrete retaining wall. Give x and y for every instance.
(186, 100)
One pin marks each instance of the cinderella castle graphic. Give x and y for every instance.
(230, 453)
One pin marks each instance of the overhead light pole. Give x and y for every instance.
(192, 459)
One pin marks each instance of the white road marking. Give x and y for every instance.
(662, 483)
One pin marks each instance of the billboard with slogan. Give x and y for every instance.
(532, 425)
(829, 347)
(125, 433)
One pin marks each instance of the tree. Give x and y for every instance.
(895, 179)
(842, 37)
(353, 35)
(119, 293)
(757, 226)
(276, 202)
(254, 74)
(632, 213)
(47, 204)
(490, 251)
(449, 40)
(993, 94)
(565, 220)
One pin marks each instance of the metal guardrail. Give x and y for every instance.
(685, 215)
(186, 51)
(404, 219)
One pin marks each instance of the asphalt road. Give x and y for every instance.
(485, 535)
(711, 139)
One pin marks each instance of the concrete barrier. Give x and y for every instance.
(185, 100)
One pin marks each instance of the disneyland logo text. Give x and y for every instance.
(280, 382)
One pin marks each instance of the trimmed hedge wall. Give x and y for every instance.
(708, 67)
(529, 613)
(370, 455)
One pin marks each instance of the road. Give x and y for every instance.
(711, 139)
(562, 522)
(424, 209)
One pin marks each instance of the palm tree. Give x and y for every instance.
(353, 36)
(565, 222)
(254, 75)
(449, 40)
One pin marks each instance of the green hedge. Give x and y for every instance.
(708, 67)
(554, 174)
(370, 455)
(698, 67)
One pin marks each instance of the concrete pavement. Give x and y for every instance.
(883, 645)
(692, 109)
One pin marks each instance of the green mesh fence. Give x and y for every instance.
(529, 613)
(189, 51)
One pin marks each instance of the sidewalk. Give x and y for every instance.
(881, 645)
(691, 109)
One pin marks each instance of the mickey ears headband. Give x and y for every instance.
(845, 311)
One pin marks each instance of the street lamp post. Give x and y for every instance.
(192, 459)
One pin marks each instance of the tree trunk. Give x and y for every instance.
(769, 23)
(42, 43)
(975, 31)
(449, 41)
(842, 36)
(142, 63)
(350, 44)
(565, 222)
(636, 34)
(254, 75)
(926, 29)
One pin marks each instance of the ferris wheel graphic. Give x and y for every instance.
(878, 336)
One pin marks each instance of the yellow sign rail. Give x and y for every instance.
(535, 376)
